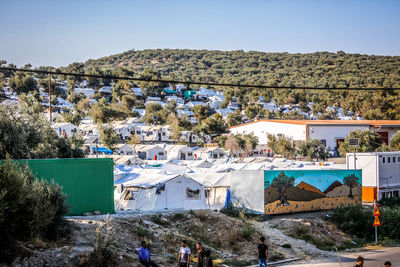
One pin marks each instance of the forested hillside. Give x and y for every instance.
(280, 69)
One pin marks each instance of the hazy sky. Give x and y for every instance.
(56, 32)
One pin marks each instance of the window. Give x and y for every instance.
(394, 159)
(206, 193)
(388, 159)
(161, 153)
(398, 159)
(137, 132)
(383, 159)
(215, 156)
(163, 133)
(190, 154)
(192, 194)
(323, 142)
(221, 155)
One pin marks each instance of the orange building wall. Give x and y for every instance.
(369, 194)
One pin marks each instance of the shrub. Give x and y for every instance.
(358, 222)
(247, 230)
(178, 216)
(102, 254)
(29, 209)
(141, 232)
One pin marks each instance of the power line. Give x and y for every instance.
(200, 83)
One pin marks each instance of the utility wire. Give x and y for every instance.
(201, 83)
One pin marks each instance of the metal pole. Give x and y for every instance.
(50, 98)
(354, 157)
(376, 227)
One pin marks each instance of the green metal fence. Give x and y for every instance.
(88, 183)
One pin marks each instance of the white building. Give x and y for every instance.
(329, 132)
(380, 173)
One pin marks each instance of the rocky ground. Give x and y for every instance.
(114, 239)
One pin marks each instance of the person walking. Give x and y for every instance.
(144, 255)
(184, 255)
(359, 262)
(263, 255)
(200, 255)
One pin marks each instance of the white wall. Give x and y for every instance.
(332, 132)
(247, 190)
(262, 128)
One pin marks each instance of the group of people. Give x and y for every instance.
(203, 256)
(360, 262)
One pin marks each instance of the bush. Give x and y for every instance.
(102, 254)
(390, 202)
(247, 230)
(141, 232)
(29, 209)
(354, 220)
(358, 222)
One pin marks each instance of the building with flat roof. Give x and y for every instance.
(330, 132)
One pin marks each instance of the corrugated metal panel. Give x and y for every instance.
(88, 183)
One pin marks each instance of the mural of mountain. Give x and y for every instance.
(308, 187)
(344, 191)
(332, 186)
(294, 194)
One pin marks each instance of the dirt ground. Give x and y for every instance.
(232, 241)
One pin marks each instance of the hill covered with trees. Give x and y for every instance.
(320, 69)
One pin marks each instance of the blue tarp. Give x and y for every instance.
(103, 150)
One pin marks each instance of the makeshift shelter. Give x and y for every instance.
(157, 192)
(216, 186)
(179, 152)
(125, 149)
(150, 152)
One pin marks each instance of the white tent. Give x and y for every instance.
(162, 191)
(179, 152)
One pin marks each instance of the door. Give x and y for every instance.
(385, 137)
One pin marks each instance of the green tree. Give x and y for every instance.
(395, 142)
(234, 118)
(201, 112)
(369, 141)
(282, 183)
(22, 83)
(128, 102)
(214, 125)
(25, 133)
(155, 114)
(108, 137)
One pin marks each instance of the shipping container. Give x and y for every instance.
(88, 183)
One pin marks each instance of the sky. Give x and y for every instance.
(57, 33)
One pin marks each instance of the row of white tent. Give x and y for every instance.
(187, 185)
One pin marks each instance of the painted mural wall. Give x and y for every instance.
(307, 190)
